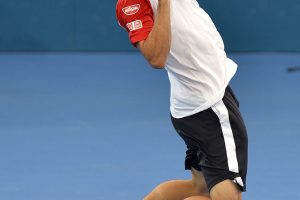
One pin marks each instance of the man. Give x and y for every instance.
(179, 36)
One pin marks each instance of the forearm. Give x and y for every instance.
(156, 47)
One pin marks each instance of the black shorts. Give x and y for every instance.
(217, 142)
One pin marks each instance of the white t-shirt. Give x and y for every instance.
(197, 66)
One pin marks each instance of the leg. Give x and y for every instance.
(226, 190)
(217, 143)
(180, 189)
(198, 198)
(199, 180)
(172, 190)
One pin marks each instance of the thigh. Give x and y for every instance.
(199, 182)
(226, 190)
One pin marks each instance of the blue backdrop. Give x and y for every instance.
(90, 25)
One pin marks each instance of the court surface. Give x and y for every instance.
(96, 126)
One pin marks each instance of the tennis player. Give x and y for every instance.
(178, 35)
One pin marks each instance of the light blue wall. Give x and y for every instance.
(62, 25)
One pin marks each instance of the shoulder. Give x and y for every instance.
(127, 9)
(130, 7)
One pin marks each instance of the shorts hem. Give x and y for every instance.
(223, 178)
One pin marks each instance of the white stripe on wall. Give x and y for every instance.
(222, 113)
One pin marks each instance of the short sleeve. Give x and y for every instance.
(136, 16)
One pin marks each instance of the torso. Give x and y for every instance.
(198, 67)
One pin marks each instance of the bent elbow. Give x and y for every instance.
(157, 64)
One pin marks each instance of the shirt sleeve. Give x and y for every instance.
(136, 16)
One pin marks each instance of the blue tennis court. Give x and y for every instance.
(73, 126)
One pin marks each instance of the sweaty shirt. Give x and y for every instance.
(197, 65)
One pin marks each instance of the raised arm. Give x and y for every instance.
(156, 47)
